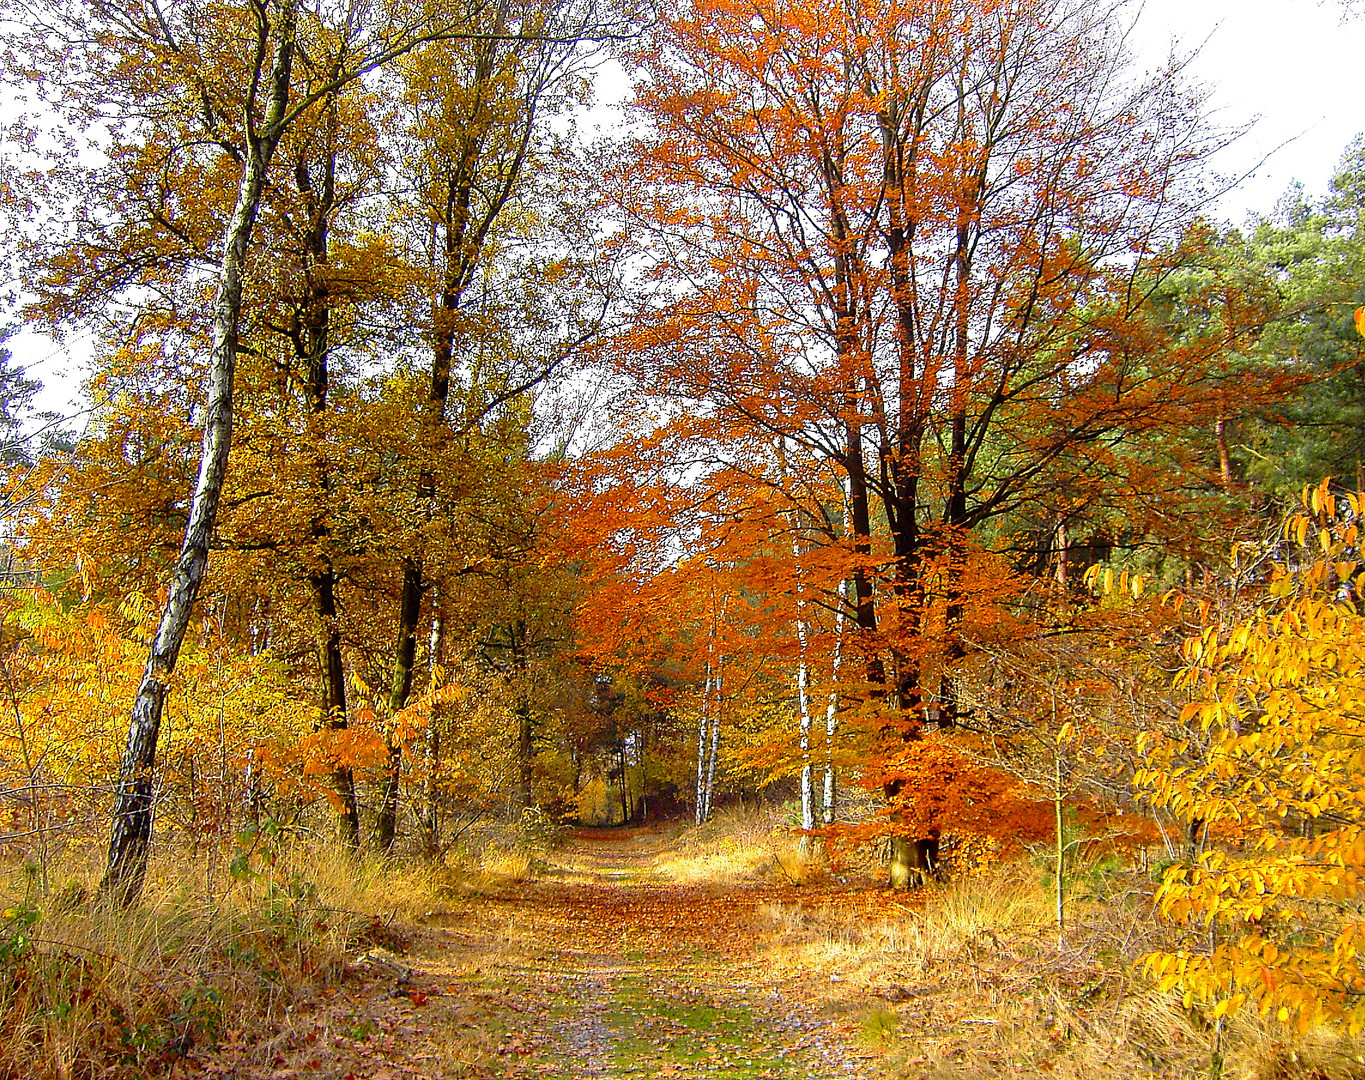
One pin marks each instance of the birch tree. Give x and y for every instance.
(708, 720)
(216, 87)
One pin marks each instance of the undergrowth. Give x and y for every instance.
(210, 956)
(970, 980)
(742, 844)
(506, 853)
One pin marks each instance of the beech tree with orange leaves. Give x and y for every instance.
(918, 241)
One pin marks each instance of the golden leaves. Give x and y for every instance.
(1275, 763)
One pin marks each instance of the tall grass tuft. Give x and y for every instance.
(89, 989)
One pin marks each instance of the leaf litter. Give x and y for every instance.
(607, 974)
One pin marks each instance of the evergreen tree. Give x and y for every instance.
(1315, 252)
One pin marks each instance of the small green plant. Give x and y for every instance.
(288, 905)
(257, 848)
(357, 1028)
(16, 941)
(879, 1024)
(199, 1018)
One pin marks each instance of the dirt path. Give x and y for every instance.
(599, 969)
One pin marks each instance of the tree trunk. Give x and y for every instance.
(431, 747)
(705, 743)
(311, 337)
(913, 859)
(521, 674)
(433, 420)
(828, 807)
(807, 770)
(802, 674)
(955, 513)
(334, 681)
(1220, 430)
(703, 729)
(526, 795)
(860, 516)
(714, 751)
(131, 835)
(1062, 541)
(831, 715)
(410, 606)
(642, 803)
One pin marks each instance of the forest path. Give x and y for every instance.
(646, 977)
(667, 980)
(599, 970)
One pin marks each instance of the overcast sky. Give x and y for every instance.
(1290, 68)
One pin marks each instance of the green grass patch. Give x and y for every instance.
(663, 1030)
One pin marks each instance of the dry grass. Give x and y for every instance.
(89, 990)
(741, 845)
(497, 865)
(969, 981)
(964, 981)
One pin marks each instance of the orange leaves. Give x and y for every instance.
(944, 790)
(329, 749)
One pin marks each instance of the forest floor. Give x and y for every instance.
(695, 954)
(600, 967)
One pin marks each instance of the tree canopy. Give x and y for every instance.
(788, 436)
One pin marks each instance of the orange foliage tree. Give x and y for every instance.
(918, 243)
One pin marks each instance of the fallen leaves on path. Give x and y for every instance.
(611, 975)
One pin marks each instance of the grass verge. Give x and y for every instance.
(206, 959)
(970, 981)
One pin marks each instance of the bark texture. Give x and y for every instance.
(126, 866)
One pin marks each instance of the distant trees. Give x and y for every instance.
(1314, 253)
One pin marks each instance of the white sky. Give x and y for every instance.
(1294, 67)
(1291, 68)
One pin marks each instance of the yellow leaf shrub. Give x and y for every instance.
(66, 676)
(1272, 761)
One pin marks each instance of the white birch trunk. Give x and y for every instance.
(831, 712)
(803, 710)
(131, 834)
(708, 726)
(715, 737)
(807, 772)
(430, 744)
(703, 729)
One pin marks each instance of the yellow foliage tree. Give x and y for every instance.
(65, 669)
(1271, 765)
